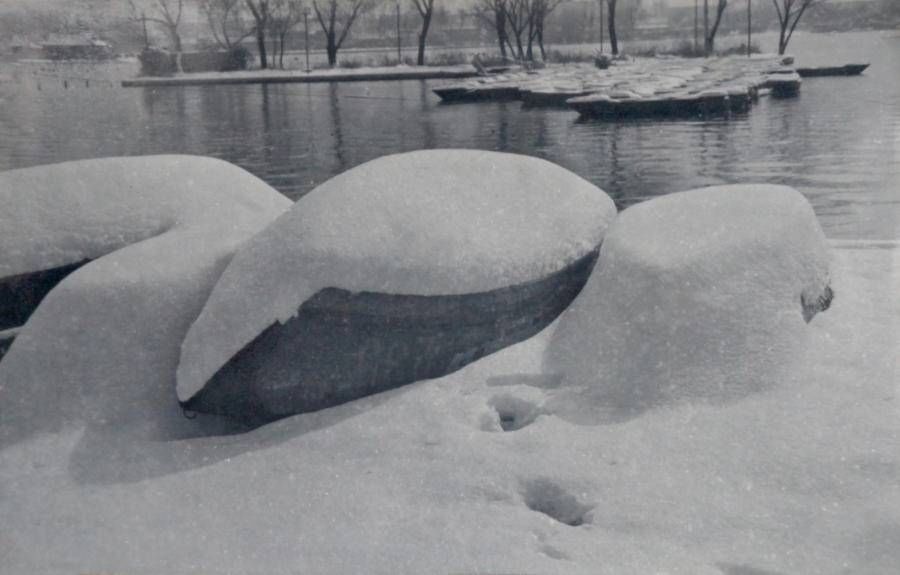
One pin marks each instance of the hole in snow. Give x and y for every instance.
(553, 552)
(545, 496)
(817, 304)
(513, 412)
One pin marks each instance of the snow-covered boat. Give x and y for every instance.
(343, 345)
(784, 85)
(845, 70)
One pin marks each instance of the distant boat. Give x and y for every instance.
(845, 70)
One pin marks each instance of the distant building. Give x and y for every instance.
(75, 47)
(19, 47)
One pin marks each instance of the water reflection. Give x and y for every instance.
(837, 143)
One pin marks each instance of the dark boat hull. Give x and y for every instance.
(846, 70)
(548, 99)
(676, 107)
(21, 294)
(342, 346)
(505, 93)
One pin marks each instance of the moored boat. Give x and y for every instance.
(784, 85)
(845, 70)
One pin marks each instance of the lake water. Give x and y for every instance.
(838, 143)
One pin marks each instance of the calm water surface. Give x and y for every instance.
(838, 143)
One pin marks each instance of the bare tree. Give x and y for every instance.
(426, 10)
(260, 10)
(710, 40)
(493, 14)
(519, 17)
(284, 16)
(789, 14)
(166, 13)
(611, 24)
(540, 10)
(336, 17)
(226, 23)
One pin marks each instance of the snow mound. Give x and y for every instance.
(65, 213)
(438, 222)
(697, 294)
(103, 345)
(801, 479)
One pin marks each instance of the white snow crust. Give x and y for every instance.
(103, 346)
(64, 213)
(695, 294)
(801, 478)
(434, 222)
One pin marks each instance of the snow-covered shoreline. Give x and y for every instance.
(492, 468)
(364, 74)
(423, 479)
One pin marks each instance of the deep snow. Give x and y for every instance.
(101, 350)
(800, 478)
(435, 222)
(698, 294)
(488, 469)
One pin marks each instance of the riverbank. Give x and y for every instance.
(373, 74)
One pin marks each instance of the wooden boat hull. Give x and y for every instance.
(698, 105)
(784, 89)
(478, 94)
(548, 99)
(21, 294)
(845, 70)
(343, 346)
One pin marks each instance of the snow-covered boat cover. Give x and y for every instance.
(65, 213)
(158, 231)
(437, 222)
(701, 293)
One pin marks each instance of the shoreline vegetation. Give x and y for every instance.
(447, 65)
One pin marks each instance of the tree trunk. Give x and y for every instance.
(261, 45)
(711, 40)
(423, 34)
(500, 25)
(176, 46)
(521, 50)
(540, 39)
(529, 55)
(782, 36)
(613, 39)
(331, 49)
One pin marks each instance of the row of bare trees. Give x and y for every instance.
(519, 24)
(519, 20)
(789, 13)
(525, 19)
(269, 21)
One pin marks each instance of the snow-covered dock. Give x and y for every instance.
(370, 74)
(641, 87)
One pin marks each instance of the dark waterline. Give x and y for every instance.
(839, 143)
